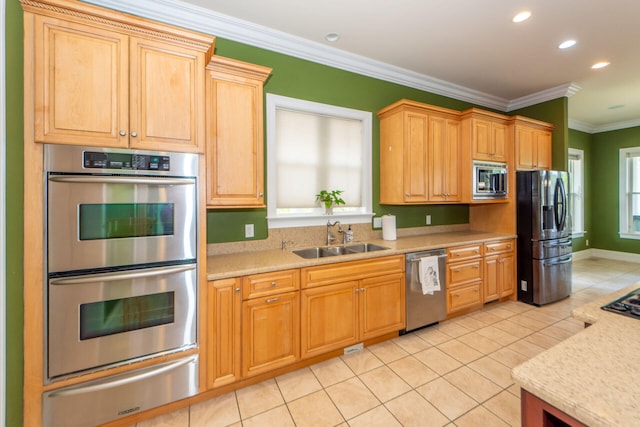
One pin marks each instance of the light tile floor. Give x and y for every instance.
(456, 373)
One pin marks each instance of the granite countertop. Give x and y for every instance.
(593, 376)
(252, 262)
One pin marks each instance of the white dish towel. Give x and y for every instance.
(429, 275)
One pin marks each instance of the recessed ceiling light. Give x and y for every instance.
(566, 44)
(600, 64)
(332, 37)
(522, 16)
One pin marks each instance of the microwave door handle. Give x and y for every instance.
(90, 179)
(127, 275)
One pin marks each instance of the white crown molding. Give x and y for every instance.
(176, 12)
(588, 128)
(567, 89)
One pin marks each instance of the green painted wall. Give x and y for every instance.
(14, 225)
(302, 79)
(582, 141)
(555, 112)
(605, 148)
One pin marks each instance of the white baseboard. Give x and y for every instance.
(603, 253)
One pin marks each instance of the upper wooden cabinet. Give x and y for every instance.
(419, 154)
(533, 143)
(99, 77)
(487, 135)
(235, 139)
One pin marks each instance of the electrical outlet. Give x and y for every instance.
(587, 242)
(523, 285)
(428, 219)
(248, 230)
(377, 222)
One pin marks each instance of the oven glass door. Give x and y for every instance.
(104, 319)
(97, 221)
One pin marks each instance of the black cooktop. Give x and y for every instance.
(627, 305)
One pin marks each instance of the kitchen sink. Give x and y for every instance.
(328, 251)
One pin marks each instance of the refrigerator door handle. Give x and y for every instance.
(562, 261)
(560, 204)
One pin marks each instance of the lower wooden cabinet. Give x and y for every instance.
(270, 332)
(224, 319)
(499, 269)
(464, 277)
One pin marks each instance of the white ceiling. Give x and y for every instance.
(466, 49)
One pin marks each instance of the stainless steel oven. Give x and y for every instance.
(122, 278)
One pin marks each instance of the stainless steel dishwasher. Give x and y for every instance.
(424, 309)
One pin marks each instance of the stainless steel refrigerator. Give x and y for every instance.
(544, 236)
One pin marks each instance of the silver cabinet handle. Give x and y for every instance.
(126, 379)
(237, 290)
(123, 133)
(269, 301)
(134, 134)
(110, 277)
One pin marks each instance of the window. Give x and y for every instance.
(576, 195)
(630, 193)
(313, 147)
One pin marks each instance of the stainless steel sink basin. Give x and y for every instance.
(327, 251)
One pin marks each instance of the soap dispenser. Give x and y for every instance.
(349, 236)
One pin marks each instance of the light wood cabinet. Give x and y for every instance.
(115, 80)
(464, 277)
(532, 143)
(486, 135)
(419, 154)
(499, 269)
(235, 136)
(350, 302)
(224, 316)
(270, 321)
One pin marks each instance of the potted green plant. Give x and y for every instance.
(330, 198)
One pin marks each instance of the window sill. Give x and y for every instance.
(633, 236)
(318, 220)
(577, 234)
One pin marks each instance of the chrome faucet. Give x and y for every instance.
(330, 238)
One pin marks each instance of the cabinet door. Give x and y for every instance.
(328, 318)
(491, 277)
(542, 144)
(507, 274)
(482, 145)
(415, 158)
(444, 159)
(235, 153)
(525, 154)
(499, 142)
(167, 97)
(81, 84)
(382, 305)
(270, 333)
(224, 315)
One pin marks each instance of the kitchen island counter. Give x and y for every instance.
(593, 375)
(252, 262)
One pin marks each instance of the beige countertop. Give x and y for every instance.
(593, 376)
(251, 262)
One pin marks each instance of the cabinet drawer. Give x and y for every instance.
(258, 285)
(461, 272)
(464, 296)
(351, 270)
(461, 253)
(499, 247)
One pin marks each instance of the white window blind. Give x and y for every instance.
(313, 147)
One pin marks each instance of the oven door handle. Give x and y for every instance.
(93, 179)
(147, 373)
(110, 277)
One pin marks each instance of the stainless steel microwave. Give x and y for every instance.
(490, 180)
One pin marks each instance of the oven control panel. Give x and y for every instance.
(130, 161)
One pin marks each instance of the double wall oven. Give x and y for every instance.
(122, 279)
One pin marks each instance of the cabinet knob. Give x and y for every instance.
(260, 194)
(134, 134)
(237, 290)
(457, 270)
(273, 284)
(509, 246)
(122, 133)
